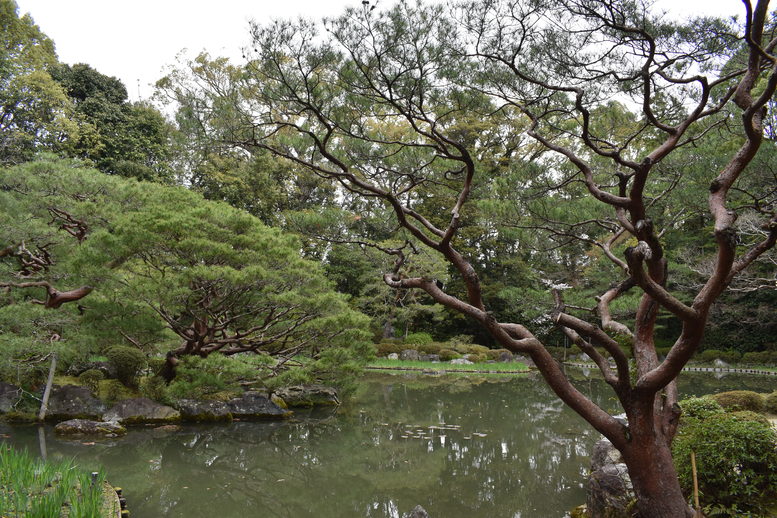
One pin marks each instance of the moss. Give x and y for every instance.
(19, 417)
(279, 401)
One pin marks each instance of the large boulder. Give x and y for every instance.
(203, 411)
(460, 361)
(306, 396)
(9, 395)
(255, 405)
(141, 410)
(410, 355)
(73, 402)
(88, 427)
(610, 493)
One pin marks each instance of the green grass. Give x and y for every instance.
(383, 363)
(32, 488)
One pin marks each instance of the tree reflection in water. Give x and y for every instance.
(461, 447)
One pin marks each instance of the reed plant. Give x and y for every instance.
(33, 488)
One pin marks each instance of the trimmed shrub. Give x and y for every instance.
(203, 377)
(384, 348)
(747, 415)
(770, 402)
(91, 378)
(155, 387)
(447, 355)
(476, 358)
(737, 463)
(128, 362)
(740, 400)
(419, 338)
(700, 408)
(477, 349)
(112, 391)
(710, 355)
(432, 348)
(155, 365)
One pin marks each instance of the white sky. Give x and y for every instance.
(136, 40)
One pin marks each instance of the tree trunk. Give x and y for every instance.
(654, 479)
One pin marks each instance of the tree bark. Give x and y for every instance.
(654, 479)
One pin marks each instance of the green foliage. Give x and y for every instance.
(91, 378)
(155, 388)
(112, 391)
(737, 462)
(128, 362)
(201, 378)
(430, 348)
(386, 348)
(740, 400)
(770, 403)
(700, 407)
(728, 356)
(447, 355)
(419, 339)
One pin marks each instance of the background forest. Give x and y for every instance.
(61, 221)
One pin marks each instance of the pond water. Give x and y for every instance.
(460, 446)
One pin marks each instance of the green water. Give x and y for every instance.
(462, 447)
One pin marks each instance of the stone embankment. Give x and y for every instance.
(76, 410)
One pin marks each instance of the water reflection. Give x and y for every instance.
(461, 447)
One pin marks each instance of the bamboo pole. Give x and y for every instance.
(697, 512)
(45, 401)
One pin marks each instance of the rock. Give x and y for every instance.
(392, 356)
(167, 428)
(141, 410)
(423, 357)
(255, 405)
(88, 427)
(203, 411)
(410, 355)
(434, 358)
(73, 402)
(610, 493)
(306, 396)
(9, 395)
(505, 356)
(460, 361)
(720, 363)
(417, 512)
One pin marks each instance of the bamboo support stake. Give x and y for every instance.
(45, 401)
(697, 511)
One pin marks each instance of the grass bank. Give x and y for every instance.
(32, 488)
(480, 368)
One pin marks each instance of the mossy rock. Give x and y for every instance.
(142, 410)
(19, 417)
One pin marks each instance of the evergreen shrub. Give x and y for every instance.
(91, 378)
(384, 349)
(128, 362)
(736, 463)
(770, 402)
(700, 407)
(740, 400)
(432, 348)
(447, 355)
(419, 338)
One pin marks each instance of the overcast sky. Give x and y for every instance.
(135, 40)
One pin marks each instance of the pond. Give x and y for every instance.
(461, 446)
